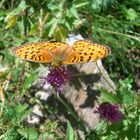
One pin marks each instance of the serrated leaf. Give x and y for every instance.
(125, 94)
(28, 133)
(126, 83)
(107, 97)
(70, 132)
(20, 108)
(10, 134)
(20, 112)
(99, 126)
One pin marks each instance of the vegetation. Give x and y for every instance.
(114, 23)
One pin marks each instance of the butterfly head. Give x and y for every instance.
(59, 55)
(56, 63)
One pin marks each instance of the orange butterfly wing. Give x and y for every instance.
(38, 52)
(60, 53)
(85, 51)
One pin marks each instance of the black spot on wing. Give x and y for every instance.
(39, 58)
(81, 58)
(74, 58)
(25, 56)
(89, 58)
(33, 57)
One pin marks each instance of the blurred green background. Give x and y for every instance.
(115, 23)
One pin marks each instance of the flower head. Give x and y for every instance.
(57, 77)
(109, 112)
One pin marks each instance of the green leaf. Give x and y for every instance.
(28, 133)
(131, 14)
(60, 34)
(10, 134)
(70, 132)
(107, 97)
(99, 126)
(74, 12)
(125, 94)
(15, 74)
(96, 5)
(27, 82)
(20, 8)
(20, 112)
(34, 29)
(52, 29)
(126, 83)
(11, 18)
(20, 108)
(10, 21)
(22, 5)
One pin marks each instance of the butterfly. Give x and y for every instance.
(60, 53)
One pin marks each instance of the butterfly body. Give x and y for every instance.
(59, 53)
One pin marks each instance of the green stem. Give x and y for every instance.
(104, 76)
(41, 24)
(117, 33)
(102, 18)
(72, 113)
(79, 75)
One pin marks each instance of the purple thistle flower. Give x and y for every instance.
(57, 77)
(109, 112)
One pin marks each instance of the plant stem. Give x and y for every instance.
(117, 33)
(72, 113)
